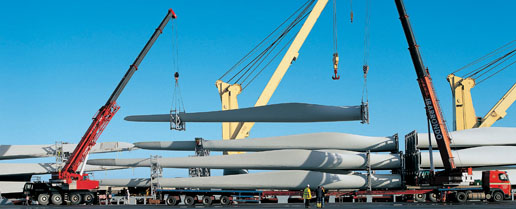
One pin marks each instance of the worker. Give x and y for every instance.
(307, 195)
(323, 195)
(320, 196)
(27, 200)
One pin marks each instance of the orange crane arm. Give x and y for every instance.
(433, 110)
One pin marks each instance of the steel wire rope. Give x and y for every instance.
(297, 21)
(261, 57)
(365, 66)
(491, 65)
(177, 97)
(270, 61)
(261, 42)
(498, 62)
(488, 55)
(496, 72)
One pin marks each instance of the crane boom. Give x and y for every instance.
(433, 110)
(242, 129)
(498, 111)
(104, 115)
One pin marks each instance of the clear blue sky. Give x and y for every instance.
(61, 60)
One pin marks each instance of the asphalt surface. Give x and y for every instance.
(473, 205)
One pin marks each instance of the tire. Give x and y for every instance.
(75, 198)
(224, 200)
(420, 197)
(497, 196)
(171, 200)
(206, 200)
(57, 199)
(43, 199)
(461, 197)
(489, 196)
(88, 198)
(189, 201)
(433, 197)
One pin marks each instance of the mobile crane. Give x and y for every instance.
(68, 184)
(496, 185)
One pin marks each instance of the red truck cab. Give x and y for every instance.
(497, 184)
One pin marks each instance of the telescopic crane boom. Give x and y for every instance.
(101, 119)
(433, 111)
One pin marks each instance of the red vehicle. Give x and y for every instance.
(69, 184)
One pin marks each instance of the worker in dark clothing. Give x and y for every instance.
(323, 195)
(320, 196)
(307, 195)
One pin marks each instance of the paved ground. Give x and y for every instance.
(474, 205)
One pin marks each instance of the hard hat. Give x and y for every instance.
(308, 185)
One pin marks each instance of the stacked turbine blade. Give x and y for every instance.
(490, 148)
(328, 159)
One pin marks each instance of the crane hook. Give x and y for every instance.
(176, 76)
(335, 66)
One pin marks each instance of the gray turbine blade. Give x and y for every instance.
(475, 157)
(286, 112)
(11, 187)
(271, 160)
(49, 150)
(489, 136)
(288, 180)
(313, 141)
(43, 168)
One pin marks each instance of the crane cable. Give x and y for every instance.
(351, 9)
(177, 98)
(507, 51)
(365, 67)
(256, 61)
(335, 43)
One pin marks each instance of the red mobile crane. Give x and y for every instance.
(68, 183)
(495, 184)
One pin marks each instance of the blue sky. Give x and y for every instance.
(61, 61)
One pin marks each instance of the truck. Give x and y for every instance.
(70, 184)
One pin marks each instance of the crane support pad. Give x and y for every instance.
(285, 112)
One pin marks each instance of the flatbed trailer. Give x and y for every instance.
(191, 197)
(458, 194)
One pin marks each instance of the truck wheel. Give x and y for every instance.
(189, 201)
(461, 197)
(206, 200)
(43, 199)
(433, 197)
(57, 199)
(497, 196)
(171, 200)
(224, 200)
(420, 197)
(88, 198)
(75, 198)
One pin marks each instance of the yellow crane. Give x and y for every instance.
(464, 112)
(229, 92)
(484, 68)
